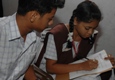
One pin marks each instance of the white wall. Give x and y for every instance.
(9, 6)
(106, 28)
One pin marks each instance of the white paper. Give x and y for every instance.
(104, 65)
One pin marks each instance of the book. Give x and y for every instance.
(103, 65)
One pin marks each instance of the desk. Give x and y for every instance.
(62, 77)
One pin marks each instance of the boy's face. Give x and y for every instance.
(41, 22)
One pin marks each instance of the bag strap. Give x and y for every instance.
(42, 51)
(42, 75)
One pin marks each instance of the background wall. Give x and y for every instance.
(106, 28)
(9, 6)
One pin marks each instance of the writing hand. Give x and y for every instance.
(90, 64)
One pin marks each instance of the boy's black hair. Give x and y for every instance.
(42, 6)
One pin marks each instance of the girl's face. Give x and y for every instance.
(83, 29)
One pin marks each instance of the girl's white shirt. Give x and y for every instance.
(52, 54)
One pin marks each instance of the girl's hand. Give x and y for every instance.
(90, 64)
(111, 58)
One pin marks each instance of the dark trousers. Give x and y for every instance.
(106, 75)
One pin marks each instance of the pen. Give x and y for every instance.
(86, 58)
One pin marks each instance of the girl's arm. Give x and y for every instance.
(53, 67)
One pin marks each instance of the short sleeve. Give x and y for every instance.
(51, 48)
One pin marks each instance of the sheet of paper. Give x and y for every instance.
(104, 65)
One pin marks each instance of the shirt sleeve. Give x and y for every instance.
(51, 48)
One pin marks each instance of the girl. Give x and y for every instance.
(70, 42)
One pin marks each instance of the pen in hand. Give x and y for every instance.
(87, 58)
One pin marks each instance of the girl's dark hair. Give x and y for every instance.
(85, 12)
(42, 6)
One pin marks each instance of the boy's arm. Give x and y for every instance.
(30, 74)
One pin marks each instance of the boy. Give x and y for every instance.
(18, 35)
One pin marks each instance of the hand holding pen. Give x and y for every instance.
(90, 64)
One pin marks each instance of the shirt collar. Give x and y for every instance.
(43, 33)
(14, 31)
(95, 32)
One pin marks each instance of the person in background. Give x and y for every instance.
(19, 37)
(66, 43)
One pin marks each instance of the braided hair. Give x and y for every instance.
(86, 11)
